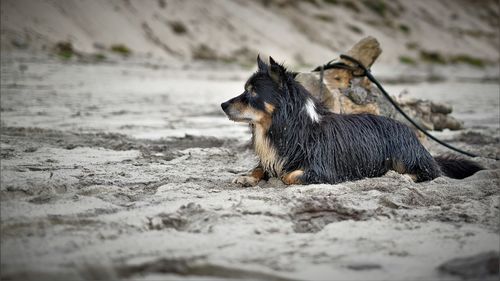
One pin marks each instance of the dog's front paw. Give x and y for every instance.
(246, 181)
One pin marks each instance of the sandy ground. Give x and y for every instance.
(301, 32)
(123, 171)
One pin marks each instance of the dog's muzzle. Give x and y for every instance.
(225, 106)
(233, 114)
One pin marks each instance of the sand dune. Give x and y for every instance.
(299, 32)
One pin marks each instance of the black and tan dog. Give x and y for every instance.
(300, 141)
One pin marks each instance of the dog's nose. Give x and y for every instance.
(224, 105)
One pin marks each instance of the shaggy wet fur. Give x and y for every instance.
(301, 141)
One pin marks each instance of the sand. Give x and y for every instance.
(123, 171)
(298, 32)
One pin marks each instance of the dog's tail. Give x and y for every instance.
(456, 167)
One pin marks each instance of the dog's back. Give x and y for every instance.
(350, 147)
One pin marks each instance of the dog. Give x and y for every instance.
(300, 141)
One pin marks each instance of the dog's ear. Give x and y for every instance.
(276, 71)
(262, 65)
(272, 61)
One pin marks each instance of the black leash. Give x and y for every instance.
(366, 72)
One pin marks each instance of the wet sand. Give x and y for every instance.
(123, 171)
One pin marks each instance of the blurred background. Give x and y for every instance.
(301, 33)
(159, 51)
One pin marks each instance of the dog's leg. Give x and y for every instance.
(414, 173)
(293, 177)
(251, 179)
(400, 167)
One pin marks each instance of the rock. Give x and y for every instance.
(20, 42)
(342, 91)
(364, 266)
(478, 266)
(441, 108)
(442, 121)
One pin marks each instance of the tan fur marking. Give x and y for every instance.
(259, 115)
(244, 113)
(293, 177)
(399, 167)
(413, 177)
(257, 173)
(268, 156)
(238, 106)
(269, 107)
(261, 120)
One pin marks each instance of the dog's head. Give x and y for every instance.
(260, 97)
